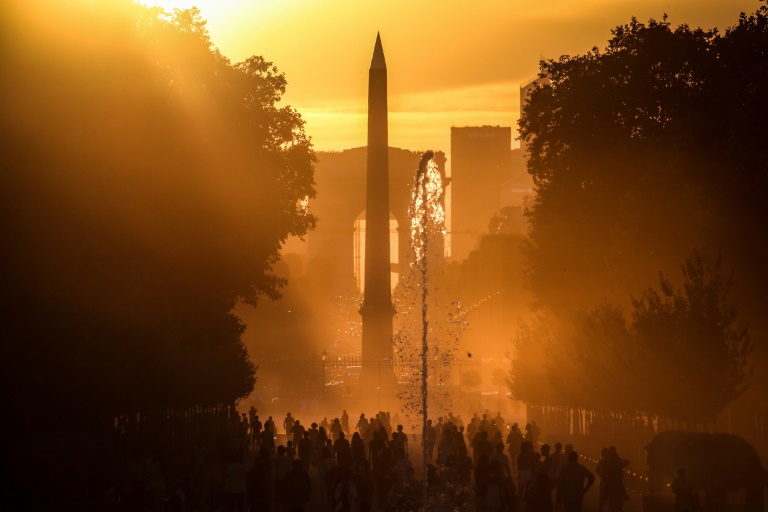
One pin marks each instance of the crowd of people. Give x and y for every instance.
(287, 465)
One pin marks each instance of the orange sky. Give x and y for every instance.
(450, 62)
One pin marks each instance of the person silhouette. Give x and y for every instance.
(259, 483)
(429, 438)
(570, 486)
(343, 451)
(297, 487)
(288, 425)
(362, 425)
(345, 421)
(305, 448)
(514, 441)
(502, 460)
(297, 432)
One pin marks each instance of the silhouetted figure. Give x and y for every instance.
(557, 463)
(612, 480)
(235, 484)
(288, 424)
(361, 475)
(306, 448)
(526, 464)
(283, 465)
(439, 428)
(297, 433)
(343, 451)
(499, 421)
(514, 441)
(399, 444)
(482, 470)
(496, 437)
(502, 459)
(472, 428)
(297, 487)
(313, 432)
(570, 486)
(259, 483)
(374, 450)
(345, 493)
(357, 443)
(384, 475)
(290, 450)
(362, 426)
(270, 425)
(320, 443)
(245, 426)
(483, 426)
(481, 445)
(600, 472)
(545, 464)
(256, 432)
(267, 440)
(326, 466)
(539, 495)
(429, 438)
(531, 434)
(335, 429)
(446, 446)
(496, 498)
(345, 422)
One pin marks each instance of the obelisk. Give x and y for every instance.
(377, 310)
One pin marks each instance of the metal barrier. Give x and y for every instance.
(353, 377)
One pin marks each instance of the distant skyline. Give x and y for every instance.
(451, 62)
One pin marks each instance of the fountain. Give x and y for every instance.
(430, 319)
(421, 208)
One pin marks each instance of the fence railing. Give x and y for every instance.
(353, 377)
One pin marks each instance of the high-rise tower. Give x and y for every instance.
(377, 310)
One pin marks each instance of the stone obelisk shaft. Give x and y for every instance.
(377, 310)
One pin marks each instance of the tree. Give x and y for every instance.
(642, 152)
(684, 355)
(148, 184)
(694, 349)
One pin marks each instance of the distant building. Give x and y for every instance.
(486, 177)
(481, 170)
(335, 248)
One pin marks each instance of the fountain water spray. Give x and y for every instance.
(422, 191)
(430, 322)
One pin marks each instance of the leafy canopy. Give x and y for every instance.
(148, 184)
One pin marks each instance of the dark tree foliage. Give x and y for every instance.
(694, 351)
(684, 355)
(147, 186)
(644, 151)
